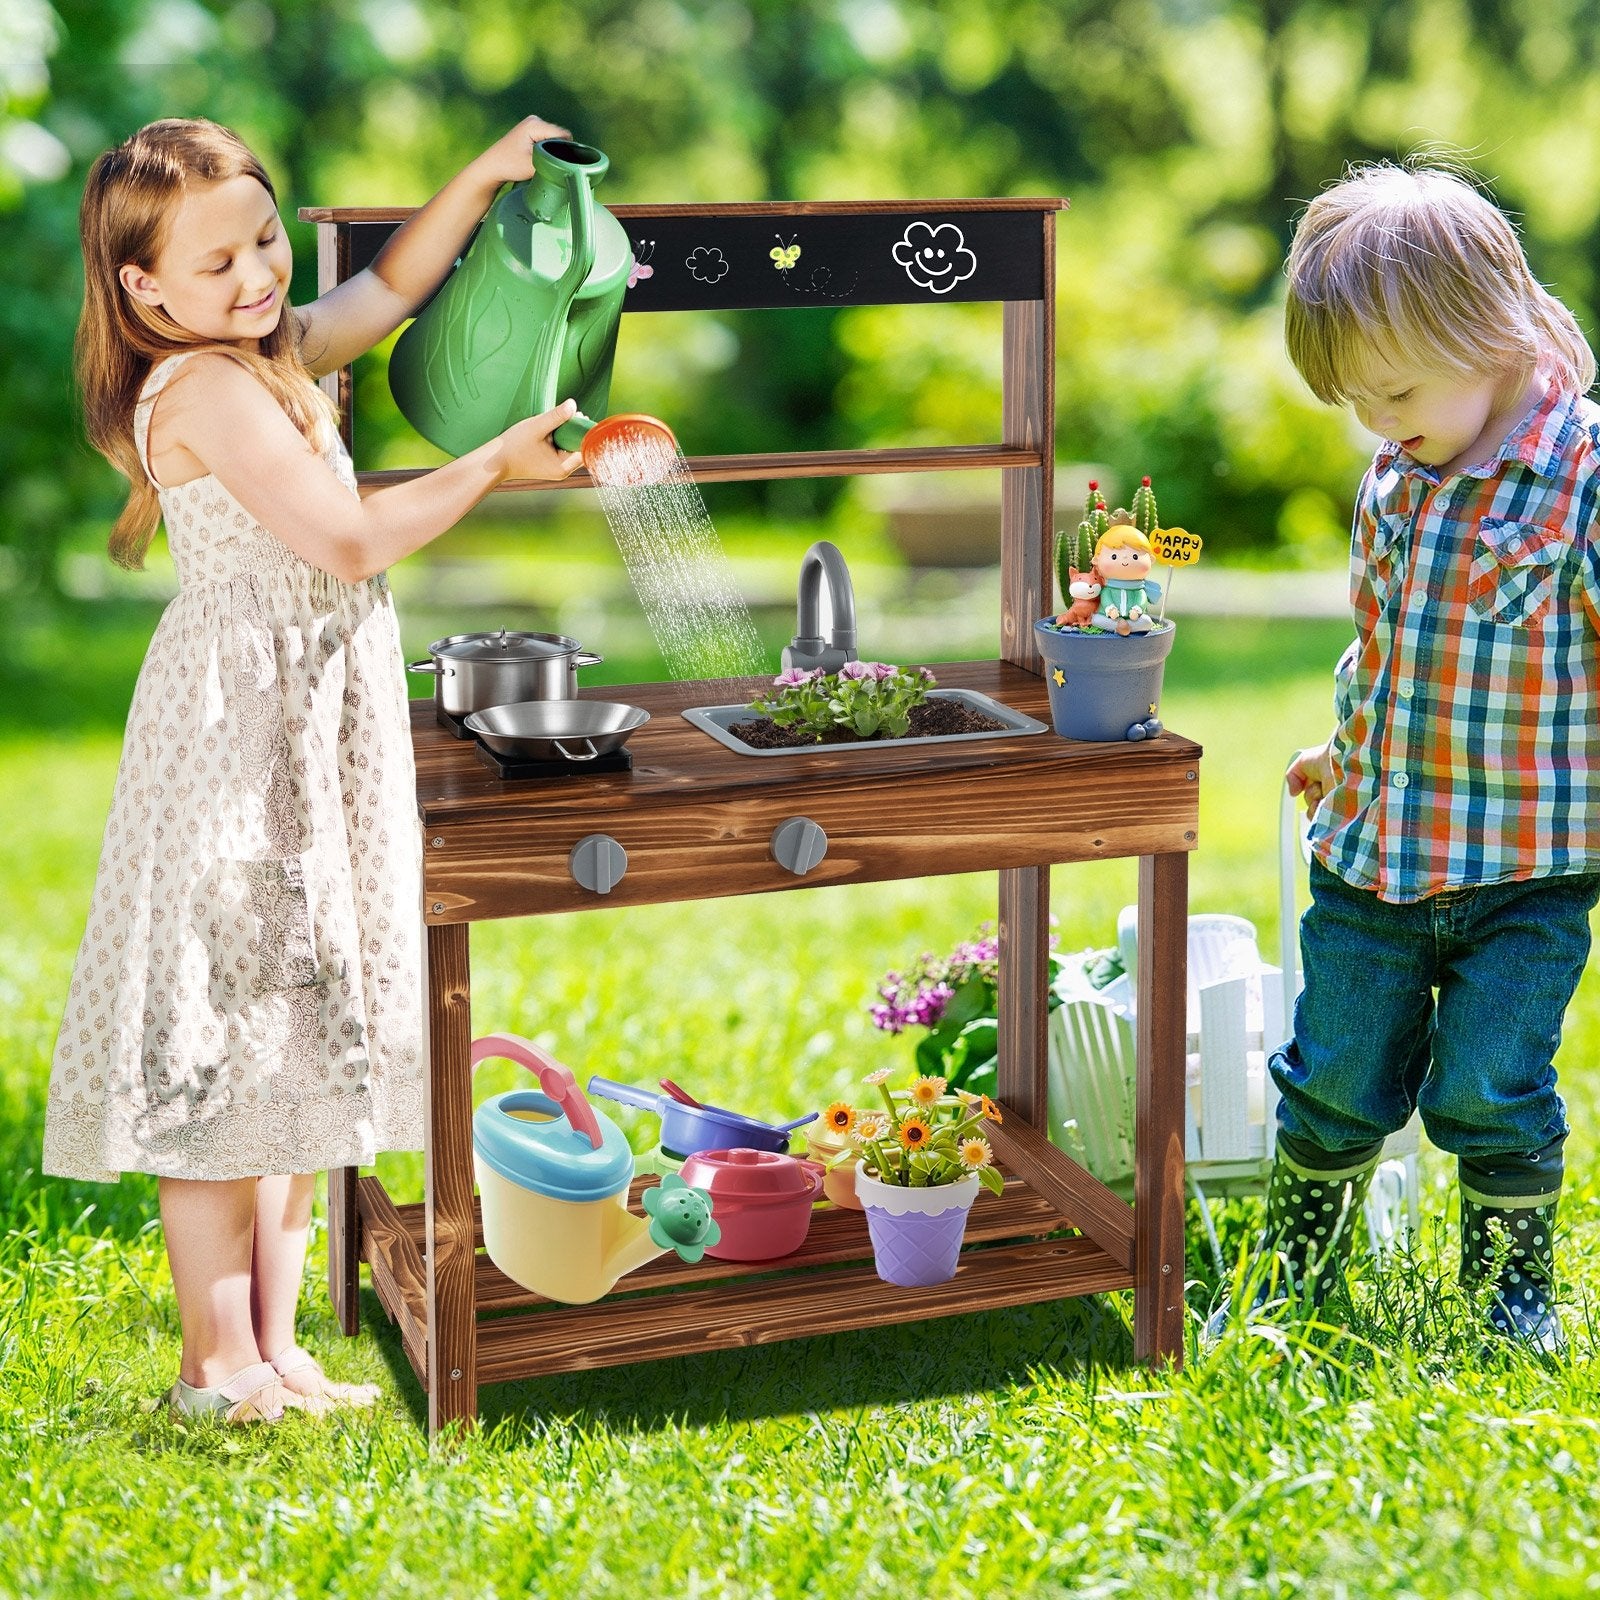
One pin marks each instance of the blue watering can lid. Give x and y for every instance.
(549, 1157)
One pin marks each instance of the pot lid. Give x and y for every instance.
(504, 646)
(748, 1175)
(525, 1137)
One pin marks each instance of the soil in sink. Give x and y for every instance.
(930, 720)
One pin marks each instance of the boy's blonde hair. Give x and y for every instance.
(1119, 535)
(128, 201)
(1416, 267)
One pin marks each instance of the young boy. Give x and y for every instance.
(1455, 811)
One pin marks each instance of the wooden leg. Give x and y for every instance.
(1158, 1258)
(451, 1259)
(344, 1248)
(1024, 975)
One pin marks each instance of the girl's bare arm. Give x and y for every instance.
(218, 411)
(364, 310)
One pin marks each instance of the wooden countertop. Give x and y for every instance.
(674, 762)
(697, 820)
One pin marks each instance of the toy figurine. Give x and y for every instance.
(1121, 565)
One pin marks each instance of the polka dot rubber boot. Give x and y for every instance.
(1310, 1223)
(1512, 1245)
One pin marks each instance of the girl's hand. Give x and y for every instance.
(1311, 774)
(525, 451)
(510, 160)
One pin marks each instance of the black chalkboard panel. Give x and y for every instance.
(717, 263)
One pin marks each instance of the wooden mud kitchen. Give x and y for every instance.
(697, 820)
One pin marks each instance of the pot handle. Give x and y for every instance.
(626, 1094)
(587, 658)
(437, 668)
(572, 755)
(555, 1080)
(815, 1172)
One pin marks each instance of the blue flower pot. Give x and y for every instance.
(1104, 686)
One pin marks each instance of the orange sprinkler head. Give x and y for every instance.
(632, 426)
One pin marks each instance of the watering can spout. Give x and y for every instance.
(627, 428)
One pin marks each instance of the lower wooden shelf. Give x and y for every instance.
(671, 1308)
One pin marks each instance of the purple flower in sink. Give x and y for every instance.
(856, 670)
(795, 676)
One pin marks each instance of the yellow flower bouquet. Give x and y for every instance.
(922, 1139)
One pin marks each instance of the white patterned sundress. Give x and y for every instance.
(247, 998)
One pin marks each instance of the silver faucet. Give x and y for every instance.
(808, 650)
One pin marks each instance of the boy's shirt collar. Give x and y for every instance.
(1536, 441)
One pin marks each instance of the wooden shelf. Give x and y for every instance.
(789, 464)
(674, 1307)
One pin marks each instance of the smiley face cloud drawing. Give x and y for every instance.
(935, 258)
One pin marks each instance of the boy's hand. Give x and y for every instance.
(1311, 774)
(510, 159)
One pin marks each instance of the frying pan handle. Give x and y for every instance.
(555, 1080)
(625, 1093)
(572, 755)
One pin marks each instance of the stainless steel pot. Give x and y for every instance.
(473, 671)
(557, 730)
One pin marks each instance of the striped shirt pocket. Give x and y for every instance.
(1514, 566)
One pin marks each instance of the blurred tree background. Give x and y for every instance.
(1187, 134)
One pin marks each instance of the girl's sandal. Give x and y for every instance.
(297, 1363)
(253, 1394)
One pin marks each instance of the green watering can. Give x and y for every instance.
(529, 316)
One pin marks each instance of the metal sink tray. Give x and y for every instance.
(716, 720)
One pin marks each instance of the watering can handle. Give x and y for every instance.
(555, 1080)
(546, 372)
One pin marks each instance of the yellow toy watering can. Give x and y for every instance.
(553, 1174)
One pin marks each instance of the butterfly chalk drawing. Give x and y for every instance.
(785, 255)
(641, 257)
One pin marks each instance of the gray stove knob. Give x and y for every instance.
(598, 862)
(798, 844)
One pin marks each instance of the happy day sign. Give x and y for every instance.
(1177, 547)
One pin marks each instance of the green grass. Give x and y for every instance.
(1005, 1453)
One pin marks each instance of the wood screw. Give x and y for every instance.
(1189, 835)
(437, 843)
(438, 905)
(1166, 1269)
(1189, 776)
(455, 1374)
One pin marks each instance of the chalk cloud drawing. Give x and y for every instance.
(707, 264)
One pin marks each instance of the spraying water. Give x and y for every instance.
(674, 558)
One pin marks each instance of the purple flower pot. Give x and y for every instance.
(913, 1246)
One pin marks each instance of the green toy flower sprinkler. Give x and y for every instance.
(529, 318)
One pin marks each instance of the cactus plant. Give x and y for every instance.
(1075, 550)
(1144, 509)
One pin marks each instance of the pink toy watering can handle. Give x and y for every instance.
(555, 1080)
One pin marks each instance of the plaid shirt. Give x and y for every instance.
(1468, 742)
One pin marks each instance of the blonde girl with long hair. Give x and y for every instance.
(246, 1006)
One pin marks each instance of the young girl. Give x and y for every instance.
(246, 1005)
(1455, 811)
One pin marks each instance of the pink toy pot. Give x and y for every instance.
(762, 1200)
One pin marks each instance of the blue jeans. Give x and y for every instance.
(1452, 1006)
